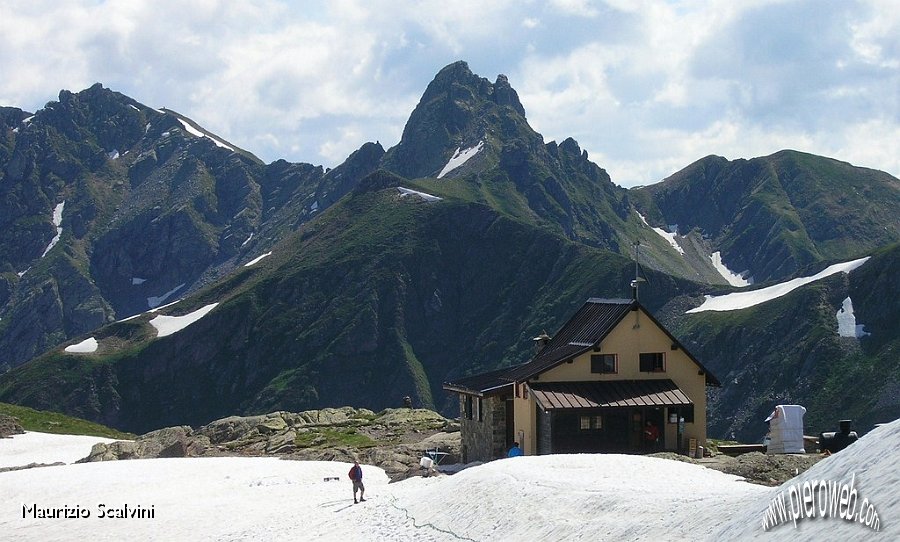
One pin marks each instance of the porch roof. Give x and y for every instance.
(608, 394)
(490, 383)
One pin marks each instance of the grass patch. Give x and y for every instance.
(53, 422)
(329, 437)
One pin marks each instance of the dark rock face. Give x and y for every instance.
(564, 190)
(448, 117)
(149, 210)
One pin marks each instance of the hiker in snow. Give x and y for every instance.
(356, 475)
(515, 451)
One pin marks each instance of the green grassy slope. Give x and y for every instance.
(54, 422)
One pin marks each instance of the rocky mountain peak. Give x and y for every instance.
(456, 112)
(456, 82)
(504, 94)
(453, 75)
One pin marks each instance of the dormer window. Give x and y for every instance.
(654, 362)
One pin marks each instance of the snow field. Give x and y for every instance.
(559, 497)
(44, 448)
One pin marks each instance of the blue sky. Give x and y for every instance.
(646, 87)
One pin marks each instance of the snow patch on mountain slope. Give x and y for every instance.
(734, 279)
(86, 346)
(257, 259)
(167, 325)
(743, 300)
(409, 192)
(198, 133)
(846, 320)
(154, 302)
(459, 158)
(669, 237)
(57, 222)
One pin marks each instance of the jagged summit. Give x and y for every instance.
(457, 111)
(457, 82)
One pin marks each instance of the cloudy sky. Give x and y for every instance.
(645, 86)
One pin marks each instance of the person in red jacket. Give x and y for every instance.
(356, 475)
(651, 434)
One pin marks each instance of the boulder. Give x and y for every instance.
(273, 423)
(282, 443)
(167, 442)
(9, 426)
(231, 428)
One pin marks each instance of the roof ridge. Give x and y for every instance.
(610, 301)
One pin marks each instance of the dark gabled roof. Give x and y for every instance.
(490, 383)
(586, 329)
(608, 394)
(590, 325)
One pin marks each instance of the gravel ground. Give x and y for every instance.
(755, 467)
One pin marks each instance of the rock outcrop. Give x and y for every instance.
(394, 439)
(9, 426)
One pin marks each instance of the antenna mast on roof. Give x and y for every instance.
(637, 278)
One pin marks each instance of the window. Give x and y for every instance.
(480, 406)
(686, 412)
(653, 363)
(603, 363)
(591, 422)
(468, 407)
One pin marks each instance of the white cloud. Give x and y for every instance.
(645, 86)
(580, 8)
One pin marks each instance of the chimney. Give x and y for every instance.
(541, 341)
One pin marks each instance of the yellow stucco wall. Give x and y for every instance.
(525, 421)
(634, 335)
